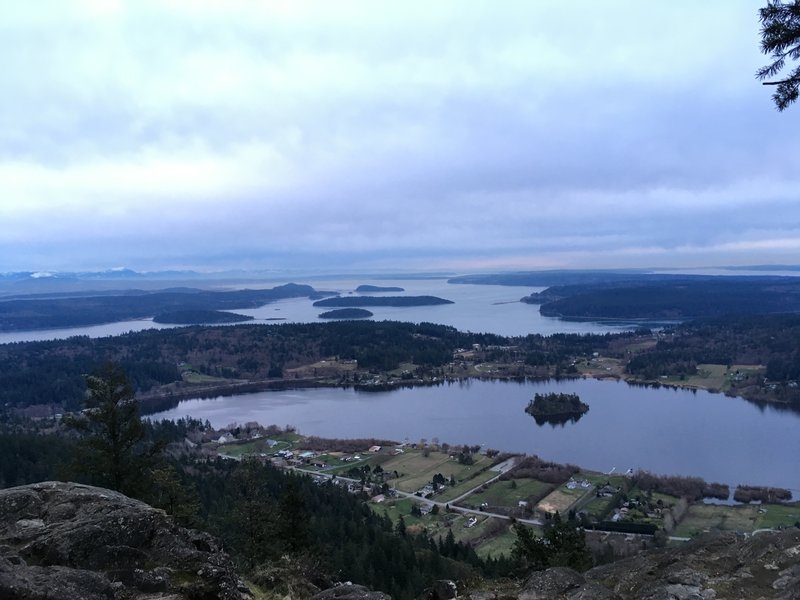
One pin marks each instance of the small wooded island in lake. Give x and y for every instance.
(556, 408)
(346, 313)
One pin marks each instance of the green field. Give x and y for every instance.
(704, 517)
(715, 377)
(252, 447)
(778, 515)
(487, 536)
(500, 544)
(394, 509)
(339, 467)
(600, 507)
(507, 495)
(462, 488)
(746, 518)
(416, 470)
(195, 377)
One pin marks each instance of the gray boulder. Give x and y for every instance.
(350, 591)
(65, 540)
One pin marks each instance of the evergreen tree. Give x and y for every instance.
(780, 38)
(250, 520)
(112, 452)
(563, 545)
(293, 518)
(168, 492)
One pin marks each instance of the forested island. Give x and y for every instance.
(556, 408)
(382, 301)
(200, 317)
(346, 313)
(378, 288)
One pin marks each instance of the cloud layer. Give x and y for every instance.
(211, 134)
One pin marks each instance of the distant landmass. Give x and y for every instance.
(46, 313)
(378, 288)
(567, 277)
(555, 277)
(680, 299)
(346, 313)
(350, 301)
(200, 317)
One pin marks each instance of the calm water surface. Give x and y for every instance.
(662, 430)
(477, 308)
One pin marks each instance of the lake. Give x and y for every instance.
(663, 430)
(476, 308)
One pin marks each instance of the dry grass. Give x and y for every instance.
(556, 501)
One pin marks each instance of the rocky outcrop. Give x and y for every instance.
(716, 566)
(349, 591)
(721, 565)
(65, 540)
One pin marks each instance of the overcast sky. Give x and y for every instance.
(461, 135)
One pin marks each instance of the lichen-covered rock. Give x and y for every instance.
(350, 591)
(714, 566)
(65, 540)
(717, 566)
(560, 583)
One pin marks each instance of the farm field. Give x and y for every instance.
(465, 486)
(746, 518)
(486, 536)
(252, 447)
(508, 494)
(715, 377)
(415, 469)
(703, 517)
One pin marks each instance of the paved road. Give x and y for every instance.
(501, 468)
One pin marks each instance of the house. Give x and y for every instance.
(426, 491)
(378, 499)
(374, 449)
(606, 491)
(522, 504)
(226, 438)
(306, 455)
(426, 509)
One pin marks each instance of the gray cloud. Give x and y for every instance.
(185, 134)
